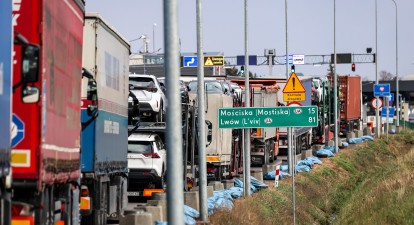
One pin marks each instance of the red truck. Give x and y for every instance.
(349, 103)
(45, 156)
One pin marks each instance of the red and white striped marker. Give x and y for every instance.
(277, 176)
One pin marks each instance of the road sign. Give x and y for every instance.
(294, 91)
(17, 130)
(294, 104)
(381, 90)
(391, 111)
(190, 61)
(298, 59)
(252, 60)
(374, 103)
(213, 61)
(290, 59)
(262, 117)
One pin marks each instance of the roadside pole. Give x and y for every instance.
(387, 103)
(175, 195)
(247, 105)
(201, 118)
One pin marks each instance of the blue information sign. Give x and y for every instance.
(190, 61)
(252, 60)
(382, 90)
(391, 111)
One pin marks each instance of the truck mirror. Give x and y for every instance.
(209, 132)
(92, 95)
(30, 94)
(30, 64)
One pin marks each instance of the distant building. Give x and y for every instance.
(150, 63)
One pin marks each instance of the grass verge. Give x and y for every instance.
(371, 183)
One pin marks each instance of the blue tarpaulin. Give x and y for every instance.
(367, 138)
(324, 153)
(355, 140)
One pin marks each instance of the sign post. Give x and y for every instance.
(381, 90)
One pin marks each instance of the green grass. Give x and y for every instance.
(370, 184)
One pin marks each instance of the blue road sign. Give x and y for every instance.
(252, 60)
(290, 59)
(392, 97)
(391, 112)
(17, 130)
(190, 61)
(381, 90)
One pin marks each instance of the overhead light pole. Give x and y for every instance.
(377, 120)
(397, 95)
(335, 86)
(153, 37)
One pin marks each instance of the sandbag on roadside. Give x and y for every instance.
(324, 153)
(355, 140)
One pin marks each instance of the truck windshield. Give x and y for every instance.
(140, 147)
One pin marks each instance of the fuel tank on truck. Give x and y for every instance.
(106, 56)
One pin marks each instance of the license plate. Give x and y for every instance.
(133, 193)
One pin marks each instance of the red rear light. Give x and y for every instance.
(210, 170)
(152, 155)
(21, 210)
(258, 150)
(84, 191)
(16, 210)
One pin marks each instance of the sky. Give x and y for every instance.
(310, 29)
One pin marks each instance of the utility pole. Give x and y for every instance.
(201, 117)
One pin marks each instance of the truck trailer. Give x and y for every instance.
(45, 156)
(104, 116)
(263, 93)
(349, 103)
(6, 37)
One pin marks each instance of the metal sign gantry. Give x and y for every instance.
(309, 59)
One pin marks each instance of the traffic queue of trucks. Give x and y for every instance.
(65, 163)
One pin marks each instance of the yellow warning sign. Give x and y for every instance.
(294, 85)
(208, 62)
(294, 97)
(214, 61)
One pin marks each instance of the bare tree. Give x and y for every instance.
(365, 78)
(385, 75)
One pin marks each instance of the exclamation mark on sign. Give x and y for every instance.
(293, 79)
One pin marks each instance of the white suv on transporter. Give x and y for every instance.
(152, 100)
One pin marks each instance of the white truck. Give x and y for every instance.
(104, 116)
(219, 151)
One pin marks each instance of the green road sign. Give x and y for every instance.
(262, 117)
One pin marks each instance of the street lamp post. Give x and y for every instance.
(397, 101)
(153, 37)
(377, 120)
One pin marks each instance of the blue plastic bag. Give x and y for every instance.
(191, 211)
(302, 168)
(367, 138)
(355, 140)
(314, 159)
(324, 153)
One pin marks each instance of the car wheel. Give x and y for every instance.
(159, 117)
(163, 181)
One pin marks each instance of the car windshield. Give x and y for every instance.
(211, 86)
(142, 82)
(139, 147)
